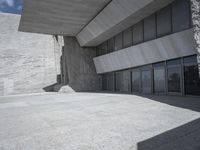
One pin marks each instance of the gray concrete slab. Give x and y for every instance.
(62, 17)
(91, 121)
(169, 47)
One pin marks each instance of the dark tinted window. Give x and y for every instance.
(111, 82)
(164, 26)
(192, 79)
(111, 45)
(118, 42)
(138, 33)
(180, 15)
(150, 28)
(127, 38)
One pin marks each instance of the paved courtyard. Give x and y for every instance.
(98, 121)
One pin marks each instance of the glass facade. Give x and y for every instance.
(172, 77)
(173, 18)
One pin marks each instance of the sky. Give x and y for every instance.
(11, 6)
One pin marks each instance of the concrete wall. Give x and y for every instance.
(27, 61)
(169, 47)
(79, 69)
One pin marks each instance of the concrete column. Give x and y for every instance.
(195, 8)
(80, 67)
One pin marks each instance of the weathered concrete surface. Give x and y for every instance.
(79, 67)
(195, 8)
(27, 61)
(89, 121)
(58, 17)
(169, 47)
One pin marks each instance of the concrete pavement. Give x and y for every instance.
(98, 121)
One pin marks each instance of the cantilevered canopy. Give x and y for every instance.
(62, 17)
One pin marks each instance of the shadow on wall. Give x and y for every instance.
(62, 80)
(51, 88)
(185, 137)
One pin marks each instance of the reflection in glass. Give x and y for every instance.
(192, 79)
(146, 81)
(118, 78)
(136, 81)
(126, 81)
(159, 80)
(174, 80)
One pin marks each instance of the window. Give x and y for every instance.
(104, 48)
(111, 81)
(111, 45)
(127, 38)
(164, 26)
(98, 51)
(136, 80)
(174, 76)
(118, 42)
(118, 81)
(104, 82)
(192, 79)
(123, 81)
(138, 33)
(126, 81)
(150, 28)
(180, 15)
(159, 78)
(146, 79)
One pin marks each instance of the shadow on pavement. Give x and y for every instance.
(185, 137)
(192, 103)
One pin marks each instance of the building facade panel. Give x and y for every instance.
(169, 47)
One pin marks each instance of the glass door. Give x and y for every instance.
(174, 78)
(147, 79)
(159, 78)
(136, 80)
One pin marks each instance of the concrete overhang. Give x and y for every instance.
(59, 17)
(91, 21)
(117, 16)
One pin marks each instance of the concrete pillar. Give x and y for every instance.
(82, 76)
(195, 8)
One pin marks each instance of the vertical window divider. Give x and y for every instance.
(171, 14)
(143, 29)
(182, 77)
(156, 23)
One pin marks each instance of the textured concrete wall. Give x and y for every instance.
(195, 7)
(169, 47)
(27, 61)
(79, 66)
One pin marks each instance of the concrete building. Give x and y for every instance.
(29, 62)
(129, 46)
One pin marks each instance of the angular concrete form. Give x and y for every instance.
(169, 47)
(79, 70)
(62, 17)
(116, 17)
(27, 61)
(135, 44)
